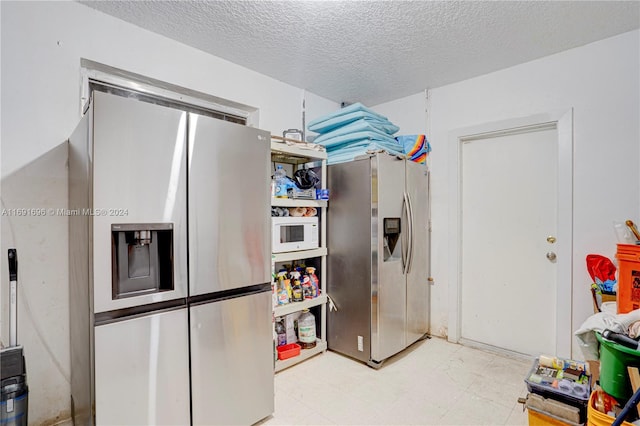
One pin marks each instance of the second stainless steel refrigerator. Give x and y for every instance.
(378, 240)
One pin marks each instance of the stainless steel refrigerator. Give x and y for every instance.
(169, 266)
(378, 263)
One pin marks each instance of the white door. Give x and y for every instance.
(509, 211)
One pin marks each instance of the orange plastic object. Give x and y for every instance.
(628, 256)
(288, 351)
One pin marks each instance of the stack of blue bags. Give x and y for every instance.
(353, 131)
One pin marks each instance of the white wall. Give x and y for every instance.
(41, 46)
(410, 114)
(600, 81)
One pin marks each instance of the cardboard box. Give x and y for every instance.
(608, 297)
(594, 370)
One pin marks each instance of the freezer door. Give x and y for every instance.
(349, 268)
(232, 360)
(418, 289)
(388, 308)
(139, 176)
(142, 370)
(229, 206)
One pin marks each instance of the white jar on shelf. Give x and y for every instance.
(307, 330)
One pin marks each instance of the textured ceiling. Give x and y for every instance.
(377, 51)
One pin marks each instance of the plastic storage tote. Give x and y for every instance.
(614, 360)
(628, 256)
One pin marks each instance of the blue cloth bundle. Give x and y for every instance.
(348, 152)
(348, 115)
(355, 130)
(349, 138)
(415, 147)
(360, 125)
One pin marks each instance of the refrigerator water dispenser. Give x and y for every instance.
(391, 236)
(141, 258)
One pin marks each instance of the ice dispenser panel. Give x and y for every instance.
(141, 258)
(391, 233)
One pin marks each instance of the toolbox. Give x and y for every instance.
(566, 391)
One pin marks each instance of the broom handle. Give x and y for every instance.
(633, 229)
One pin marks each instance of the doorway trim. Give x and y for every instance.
(563, 121)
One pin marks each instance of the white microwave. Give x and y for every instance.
(294, 233)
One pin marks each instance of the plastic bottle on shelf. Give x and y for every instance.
(315, 284)
(296, 288)
(283, 296)
(307, 289)
(281, 332)
(287, 285)
(307, 330)
(280, 178)
(283, 283)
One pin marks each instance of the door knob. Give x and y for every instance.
(551, 256)
(551, 239)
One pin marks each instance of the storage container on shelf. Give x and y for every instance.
(288, 351)
(307, 330)
(281, 333)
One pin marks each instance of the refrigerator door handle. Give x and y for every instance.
(410, 236)
(405, 233)
(403, 237)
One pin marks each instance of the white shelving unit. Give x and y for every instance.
(295, 255)
(288, 202)
(283, 153)
(290, 308)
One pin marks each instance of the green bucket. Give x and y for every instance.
(614, 360)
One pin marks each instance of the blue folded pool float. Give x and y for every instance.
(347, 115)
(353, 131)
(360, 125)
(346, 139)
(347, 110)
(350, 153)
(347, 152)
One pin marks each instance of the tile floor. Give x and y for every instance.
(432, 383)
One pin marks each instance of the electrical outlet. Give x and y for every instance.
(360, 343)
